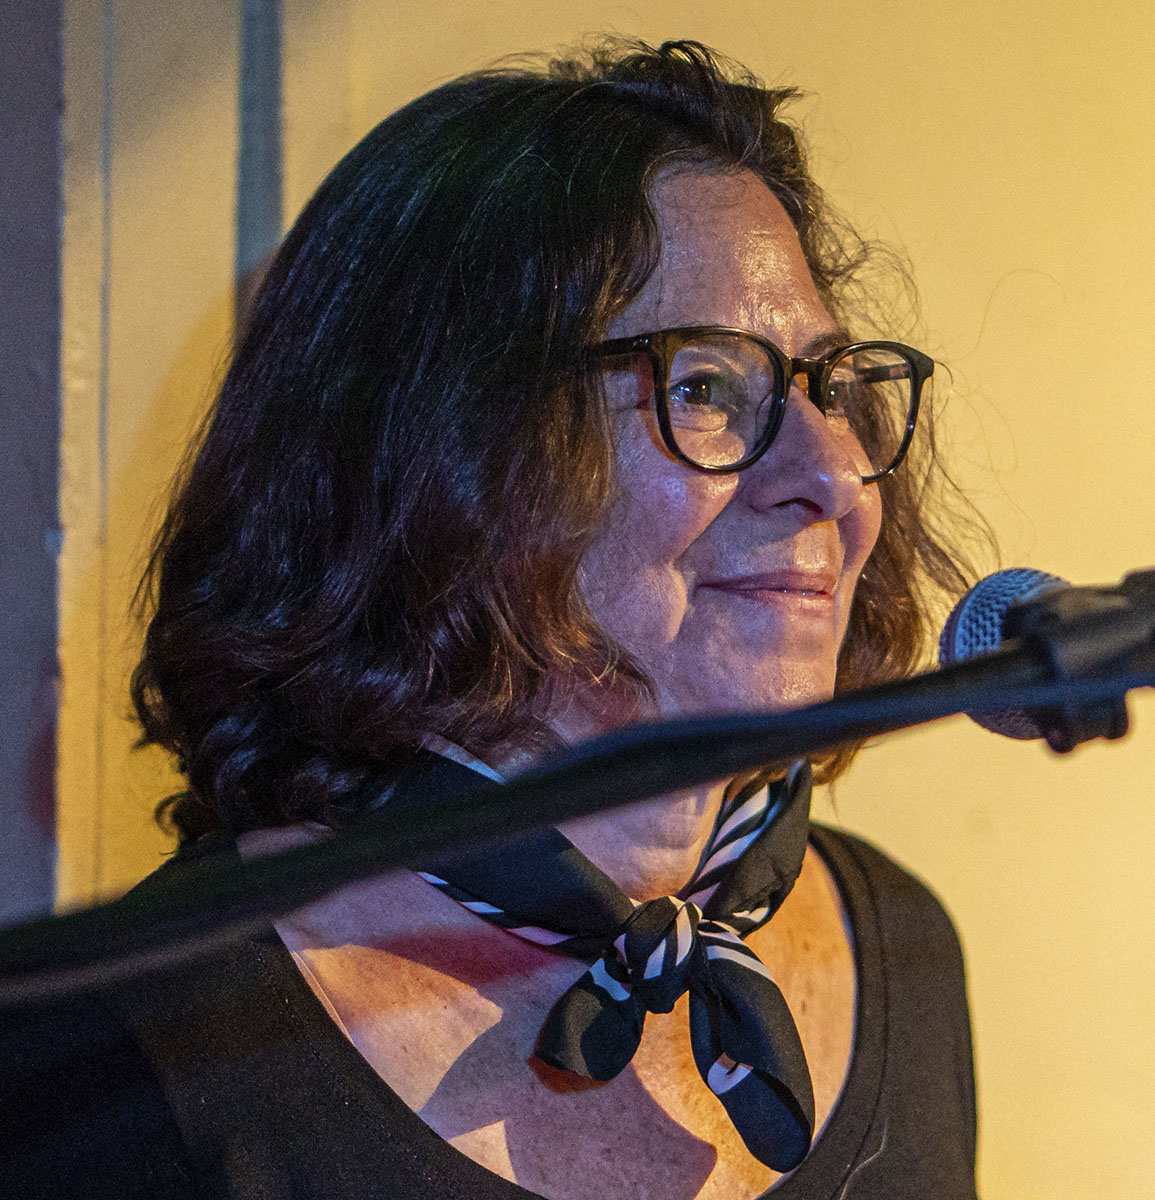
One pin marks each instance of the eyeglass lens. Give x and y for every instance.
(871, 391)
(721, 394)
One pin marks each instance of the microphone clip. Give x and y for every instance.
(1085, 633)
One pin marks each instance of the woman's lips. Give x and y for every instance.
(805, 590)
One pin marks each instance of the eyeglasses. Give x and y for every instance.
(719, 395)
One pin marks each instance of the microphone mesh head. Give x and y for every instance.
(976, 627)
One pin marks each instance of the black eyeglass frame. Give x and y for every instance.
(661, 345)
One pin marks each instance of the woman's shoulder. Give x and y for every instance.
(875, 885)
(904, 938)
(912, 993)
(84, 1108)
(83, 1111)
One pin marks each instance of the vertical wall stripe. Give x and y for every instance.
(31, 83)
(259, 154)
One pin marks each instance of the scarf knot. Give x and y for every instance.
(654, 955)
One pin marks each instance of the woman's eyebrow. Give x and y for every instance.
(830, 340)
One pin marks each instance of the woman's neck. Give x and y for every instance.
(652, 848)
(649, 849)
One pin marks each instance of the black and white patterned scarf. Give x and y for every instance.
(645, 955)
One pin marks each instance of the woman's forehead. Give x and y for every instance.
(729, 256)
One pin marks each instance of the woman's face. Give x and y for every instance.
(731, 591)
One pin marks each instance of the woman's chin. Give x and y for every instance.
(784, 689)
(715, 691)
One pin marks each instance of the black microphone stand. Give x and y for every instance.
(1073, 661)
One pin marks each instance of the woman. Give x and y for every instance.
(545, 421)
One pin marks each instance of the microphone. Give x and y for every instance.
(977, 625)
(1074, 635)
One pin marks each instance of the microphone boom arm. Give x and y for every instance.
(214, 902)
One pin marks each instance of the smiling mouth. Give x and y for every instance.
(797, 603)
(779, 586)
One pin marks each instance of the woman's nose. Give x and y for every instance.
(815, 461)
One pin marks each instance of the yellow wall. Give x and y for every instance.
(149, 166)
(1008, 148)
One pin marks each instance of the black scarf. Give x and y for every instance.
(539, 887)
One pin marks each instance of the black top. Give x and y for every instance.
(227, 1078)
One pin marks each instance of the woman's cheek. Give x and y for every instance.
(687, 504)
(860, 530)
(633, 577)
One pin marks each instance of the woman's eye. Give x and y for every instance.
(696, 391)
(704, 391)
(840, 399)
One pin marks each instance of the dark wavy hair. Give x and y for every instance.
(377, 533)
